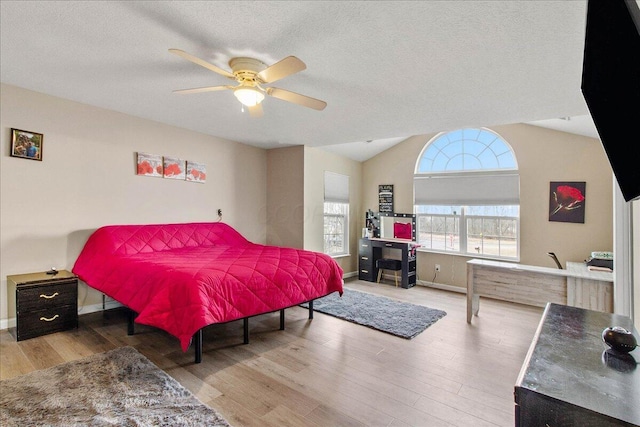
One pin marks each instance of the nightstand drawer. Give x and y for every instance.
(32, 298)
(41, 322)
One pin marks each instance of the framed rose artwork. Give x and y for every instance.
(196, 172)
(567, 201)
(174, 168)
(149, 164)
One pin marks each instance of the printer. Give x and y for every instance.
(601, 259)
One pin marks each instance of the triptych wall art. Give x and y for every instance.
(171, 167)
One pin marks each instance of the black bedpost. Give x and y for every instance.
(245, 325)
(282, 319)
(197, 338)
(131, 316)
(311, 309)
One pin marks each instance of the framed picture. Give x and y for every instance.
(567, 201)
(385, 198)
(150, 165)
(174, 168)
(196, 172)
(26, 144)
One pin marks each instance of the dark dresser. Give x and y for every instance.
(45, 303)
(370, 250)
(570, 377)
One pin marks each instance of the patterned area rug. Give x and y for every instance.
(120, 387)
(384, 314)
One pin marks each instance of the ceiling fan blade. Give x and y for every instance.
(203, 89)
(202, 63)
(256, 111)
(296, 98)
(286, 67)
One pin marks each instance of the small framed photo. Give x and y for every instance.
(26, 144)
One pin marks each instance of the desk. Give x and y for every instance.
(569, 378)
(532, 285)
(370, 250)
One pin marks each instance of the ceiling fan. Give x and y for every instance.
(251, 74)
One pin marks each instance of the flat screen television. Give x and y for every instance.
(611, 85)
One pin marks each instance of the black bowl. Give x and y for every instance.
(619, 339)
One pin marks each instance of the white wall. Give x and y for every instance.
(635, 261)
(87, 179)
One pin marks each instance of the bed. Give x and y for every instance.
(184, 277)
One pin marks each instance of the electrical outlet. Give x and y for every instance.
(437, 267)
(219, 212)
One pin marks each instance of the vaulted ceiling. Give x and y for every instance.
(387, 69)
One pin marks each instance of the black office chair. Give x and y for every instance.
(555, 258)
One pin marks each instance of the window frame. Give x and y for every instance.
(459, 209)
(462, 234)
(345, 228)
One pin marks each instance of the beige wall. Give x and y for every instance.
(543, 155)
(316, 162)
(87, 179)
(285, 196)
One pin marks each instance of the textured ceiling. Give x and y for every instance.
(387, 70)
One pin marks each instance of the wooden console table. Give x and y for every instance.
(571, 378)
(526, 284)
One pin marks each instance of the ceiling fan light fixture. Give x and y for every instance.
(248, 96)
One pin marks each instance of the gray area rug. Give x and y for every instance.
(120, 387)
(384, 314)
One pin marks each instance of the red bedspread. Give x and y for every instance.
(182, 277)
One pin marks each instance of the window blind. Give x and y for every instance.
(336, 187)
(468, 190)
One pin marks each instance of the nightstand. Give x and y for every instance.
(45, 303)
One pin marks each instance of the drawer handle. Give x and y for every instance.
(49, 296)
(388, 244)
(44, 319)
(365, 258)
(365, 271)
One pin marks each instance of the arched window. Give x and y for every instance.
(467, 195)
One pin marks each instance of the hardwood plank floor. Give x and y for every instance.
(326, 372)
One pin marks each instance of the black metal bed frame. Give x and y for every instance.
(197, 337)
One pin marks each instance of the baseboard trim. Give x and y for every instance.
(92, 308)
(349, 275)
(442, 286)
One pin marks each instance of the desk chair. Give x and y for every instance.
(555, 259)
(389, 264)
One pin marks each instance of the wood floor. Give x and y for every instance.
(326, 372)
